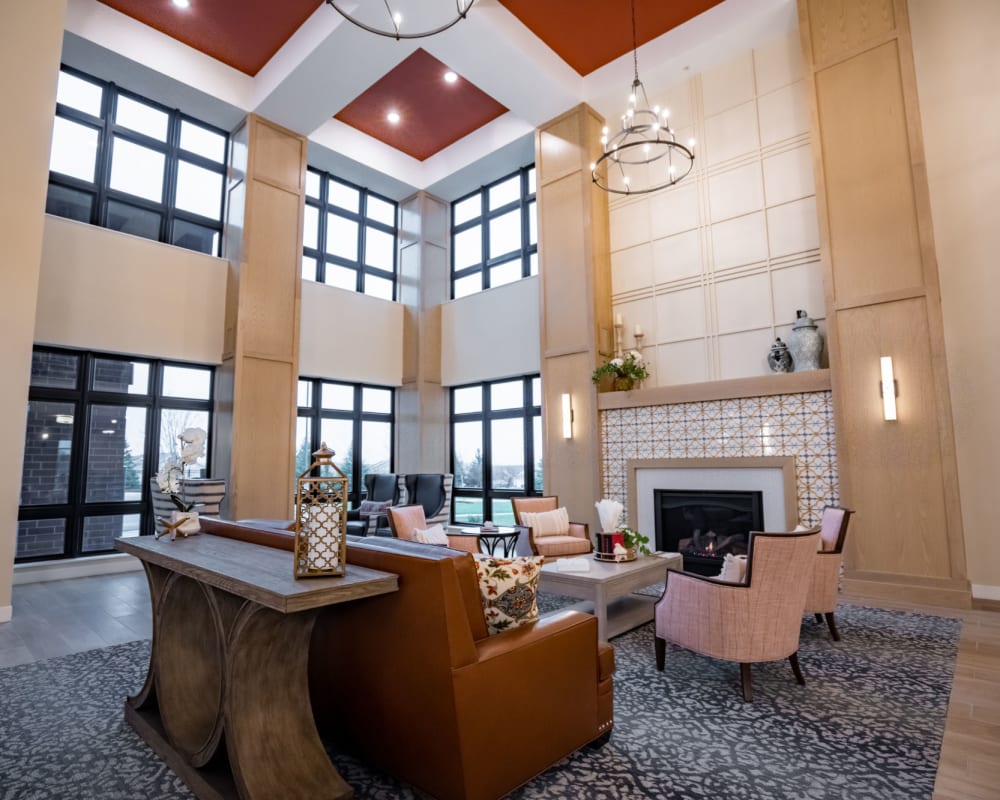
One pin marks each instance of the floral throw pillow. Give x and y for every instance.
(509, 588)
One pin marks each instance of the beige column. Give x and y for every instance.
(882, 299)
(30, 50)
(256, 385)
(575, 272)
(422, 408)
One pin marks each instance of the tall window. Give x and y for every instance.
(124, 162)
(354, 420)
(99, 426)
(349, 237)
(494, 234)
(496, 440)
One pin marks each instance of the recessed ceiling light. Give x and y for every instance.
(393, 117)
(182, 3)
(450, 76)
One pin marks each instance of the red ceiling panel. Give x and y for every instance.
(433, 113)
(587, 34)
(241, 33)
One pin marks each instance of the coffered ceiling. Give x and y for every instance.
(297, 62)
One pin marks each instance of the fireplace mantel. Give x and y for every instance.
(816, 380)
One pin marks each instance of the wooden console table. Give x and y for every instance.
(231, 632)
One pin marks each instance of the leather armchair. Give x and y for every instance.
(822, 598)
(576, 543)
(404, 520)
(379, 487)
(757, 620)
(433, 492)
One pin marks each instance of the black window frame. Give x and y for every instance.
(316, 413)
(100, 190)
(528, 411)
(83, 398)
(527, 249)
(361, 269)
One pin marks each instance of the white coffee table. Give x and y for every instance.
(609, 590)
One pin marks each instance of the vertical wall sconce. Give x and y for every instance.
(567, 416)
(887, 388)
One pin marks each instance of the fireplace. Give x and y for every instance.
(705, 525)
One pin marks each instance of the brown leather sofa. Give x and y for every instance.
(412, 682)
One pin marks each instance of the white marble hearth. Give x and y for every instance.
(773, 477)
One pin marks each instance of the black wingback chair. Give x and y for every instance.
(379, 487)
(432, 490)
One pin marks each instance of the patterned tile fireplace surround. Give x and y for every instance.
(799, 425)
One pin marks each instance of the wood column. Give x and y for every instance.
(422, 418)
(30, 49)
(882, 299)
(575, 272)
(256, 385)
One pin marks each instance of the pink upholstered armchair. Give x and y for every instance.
(575, 542)
(822, 598)
(403, 520)
(757, 620)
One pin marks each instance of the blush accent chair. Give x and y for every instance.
(432, 491)
(404, 520)
(757, 620)
(576, 543)
(822, 598)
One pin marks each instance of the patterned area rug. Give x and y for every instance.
(868, 724)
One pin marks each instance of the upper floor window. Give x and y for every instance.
(124, 162)
(349, 237)
(494, 234)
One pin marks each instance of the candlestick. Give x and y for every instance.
(618, 319)
(638, 330)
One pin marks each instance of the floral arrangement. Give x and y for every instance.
(634, 539)
(170, 478)
(624, 372)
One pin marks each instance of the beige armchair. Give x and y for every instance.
(822, 597)
(403, 520)
(757, 620)
(575, 542)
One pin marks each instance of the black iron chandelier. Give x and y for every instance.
(395, 25)
(644, 156)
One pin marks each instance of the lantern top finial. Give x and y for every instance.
(324, 456)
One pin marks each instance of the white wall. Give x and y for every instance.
(351, 337)
(958, 83)
(715, 267)
(492, 334)
(105, 290)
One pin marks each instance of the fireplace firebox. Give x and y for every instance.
(706, 525)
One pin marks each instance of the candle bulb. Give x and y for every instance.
(618, 319)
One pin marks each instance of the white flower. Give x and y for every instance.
(192, 444)
(616, 362)
(636, 355)
(169, 476)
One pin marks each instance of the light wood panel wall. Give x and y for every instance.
(575, 285)
(882, 298)
(256, 386)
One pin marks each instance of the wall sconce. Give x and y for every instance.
(888, 389)
(567, 416)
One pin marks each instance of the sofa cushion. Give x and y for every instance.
(370, 508)
(547, 523)
(433, 535)
(509, 588)
(734, 569)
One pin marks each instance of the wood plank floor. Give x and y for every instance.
(62, 617)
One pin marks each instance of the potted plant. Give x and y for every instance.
(635, 542)
(624, 373)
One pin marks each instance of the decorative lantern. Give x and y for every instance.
(320, 518)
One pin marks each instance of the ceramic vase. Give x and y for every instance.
(779, 359)
(805, 342)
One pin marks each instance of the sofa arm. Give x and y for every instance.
(580, 530)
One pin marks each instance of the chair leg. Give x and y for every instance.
(833, 626)
(794, 661)
(745, 682)
(661, 652)
(819, 617)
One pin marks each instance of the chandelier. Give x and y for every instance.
(396, 21)
(644, 156)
